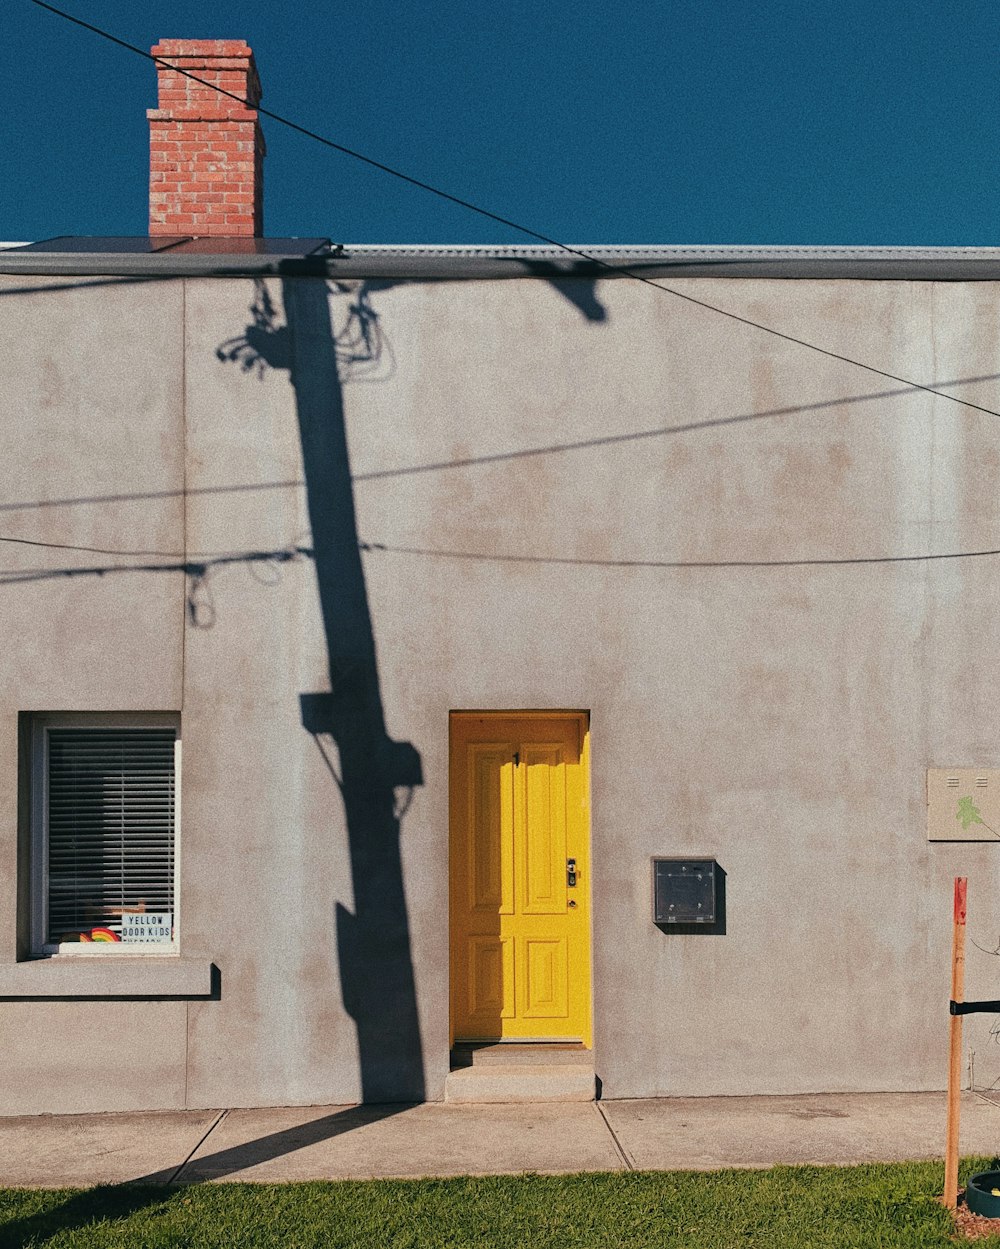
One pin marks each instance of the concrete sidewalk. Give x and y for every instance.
(351, 1142)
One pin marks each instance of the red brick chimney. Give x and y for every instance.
(206, 151)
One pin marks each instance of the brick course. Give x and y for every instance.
(206, 150)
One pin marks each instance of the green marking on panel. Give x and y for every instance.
(968, 813)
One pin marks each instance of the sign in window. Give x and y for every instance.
(147, 927)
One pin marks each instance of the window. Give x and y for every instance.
(104, 833)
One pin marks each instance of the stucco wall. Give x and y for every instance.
(779, 718)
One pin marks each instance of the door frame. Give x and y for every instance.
(551, 713)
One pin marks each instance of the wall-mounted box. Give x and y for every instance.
(963, 804)
(684, 891)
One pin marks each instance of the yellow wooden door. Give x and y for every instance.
(520, 876)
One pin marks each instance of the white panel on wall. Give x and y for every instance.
(963, 804)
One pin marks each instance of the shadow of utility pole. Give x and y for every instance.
(373, 941)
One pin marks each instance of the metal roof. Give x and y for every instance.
(219, 257)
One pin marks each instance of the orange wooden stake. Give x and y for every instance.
(955, 1044)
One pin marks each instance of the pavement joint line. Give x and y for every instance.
(207, 1133)
(619, 1147)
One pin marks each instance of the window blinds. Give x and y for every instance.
(111, 826)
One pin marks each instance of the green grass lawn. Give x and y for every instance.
(890, 1206)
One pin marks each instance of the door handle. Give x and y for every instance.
(571, 873)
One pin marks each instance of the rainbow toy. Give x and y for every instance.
(101, 934)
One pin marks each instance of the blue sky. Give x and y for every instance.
(702, 122)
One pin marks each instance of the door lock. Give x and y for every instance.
(571, 873)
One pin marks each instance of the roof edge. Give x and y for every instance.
(430, 262)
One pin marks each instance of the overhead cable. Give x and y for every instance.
(198, 565)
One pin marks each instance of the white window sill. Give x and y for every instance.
(120, 975)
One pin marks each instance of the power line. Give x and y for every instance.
(199, 566)
(192, 566)
(639, 435)
(93, 550)
(472, 461)
(198, 557)
(832, 561)
(143, 495)
(506, 221)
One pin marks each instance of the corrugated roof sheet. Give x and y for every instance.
(206, 257)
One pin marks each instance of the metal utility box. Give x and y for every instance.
(684, 891)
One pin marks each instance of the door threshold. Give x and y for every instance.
(574, 1041)
(511, 1053)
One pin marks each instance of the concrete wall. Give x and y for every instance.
(778, 718)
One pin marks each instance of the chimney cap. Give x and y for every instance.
(182, 49)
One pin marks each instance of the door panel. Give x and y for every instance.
(520, 935)
(544, 833)
(546, 973)
(491, 849)
(491, 980)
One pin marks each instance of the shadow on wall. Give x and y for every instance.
(579, 291)
(373, 942)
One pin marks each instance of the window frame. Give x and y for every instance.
(41, 723)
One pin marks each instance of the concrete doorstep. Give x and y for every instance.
(442, 1139)
(521, 1073)
(542, 1083)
